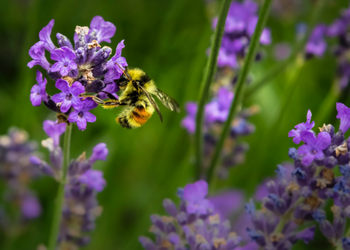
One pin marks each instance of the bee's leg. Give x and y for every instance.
(95, 99)
(110, 96)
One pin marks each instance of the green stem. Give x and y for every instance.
(240, 85)
(207, 80)
(281, 67)
(60, 193)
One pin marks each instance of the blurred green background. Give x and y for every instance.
(167, 39)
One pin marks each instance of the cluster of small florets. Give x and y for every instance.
(82, 68)
(80, 204)
(298, 195)
(17, 172)
(239, 28)
(192, 225)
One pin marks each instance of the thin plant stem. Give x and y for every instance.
(281, 67)
(60, 193)
(240, 85)
(207, 80)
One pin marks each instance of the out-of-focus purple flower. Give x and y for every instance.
(54, 130)
(314, 146)
(99, 152)
(113, 65)
(45, 36)
(30, 207)
(81, 117)
(38, 93)
(94, 179)
(225, 204)
(69, 96)
(304, 126)
(37, 53)
(346, 243)
(65, 60)
(189, 122)
(265, 37)
(344, 116)
(219, 108)
(316, 45)
(195, 195)
(226, 59)
(104, 30)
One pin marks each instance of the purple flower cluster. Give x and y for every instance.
(17, 172)
(316, 45)
(239, 28)
(216, 113)
(82, 68)
(192, 225)
(81, 207)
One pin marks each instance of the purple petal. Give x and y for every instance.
(104, 30)
(56, 67)
(37, 53)
(81, 123)
(344, 116)
(57, 54)
(308, 159)
(35, 97)
(62, 85)
(307, 235)
(59, 97)
(77, 89)
(45, 34)
(77, 103)
(65, 106)
(308, 137)
(304, 149)
(73, 116)
(308, 116)
(54, 130)
(88, 104)
(99, 152)
(119, 49)
(89, 117)
(68, 54)
(94, 179)
(323, 140)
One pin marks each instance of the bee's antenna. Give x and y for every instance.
(124, 72)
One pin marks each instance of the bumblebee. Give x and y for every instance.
(137, 90)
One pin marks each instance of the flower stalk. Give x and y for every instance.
(60, 193)
(240, 85)
(207, 80)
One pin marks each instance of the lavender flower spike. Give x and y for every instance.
(82, 116)
(189, 122)
(69, 96)
(38, 93)
(104, 30)
(94, 179)
(114, 71)
(301, 127)
(54, 130)
(344, 116)
(195, 194)
(99, 152)
(65, 60)
(314, 146)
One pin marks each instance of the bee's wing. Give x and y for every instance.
(153, 102)
(167, 101)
